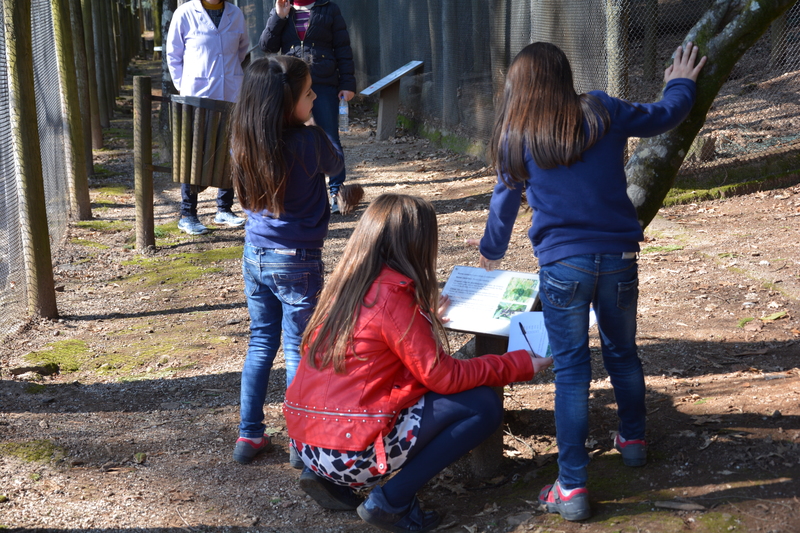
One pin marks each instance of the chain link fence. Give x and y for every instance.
(620, 46)
(13, 299)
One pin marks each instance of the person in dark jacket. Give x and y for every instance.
(316, 32)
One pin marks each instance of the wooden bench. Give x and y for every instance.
(389, 94)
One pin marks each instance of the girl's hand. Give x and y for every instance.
(486, 264)
(348, 95)
(683, 64)
(282, 8)
(444, 303)
(539, 363)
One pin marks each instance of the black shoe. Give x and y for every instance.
(328, 494)
(376, 511)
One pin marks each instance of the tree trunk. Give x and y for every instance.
(91, 73)
(451, 78)
(73, 131)
(727, 30)
(617, 17)
(82, 72)
(101, 67)
(167, 88)
(40, 287)
(155, 9)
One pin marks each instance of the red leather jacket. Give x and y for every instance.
(388, 368)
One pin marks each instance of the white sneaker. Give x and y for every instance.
(192, 226)
(227, 217)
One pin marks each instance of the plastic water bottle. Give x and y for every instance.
(344, 115)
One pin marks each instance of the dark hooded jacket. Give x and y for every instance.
(326, 45)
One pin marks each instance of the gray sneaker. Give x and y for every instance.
(334, 204)
(227, 217)
(192, 226)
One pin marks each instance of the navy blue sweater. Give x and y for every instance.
(309, 155)
(584, 208)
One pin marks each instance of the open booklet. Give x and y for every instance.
(527, 332)
(485, 301)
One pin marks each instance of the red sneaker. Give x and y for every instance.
(572, 507)
(634, 452)
(246, 450)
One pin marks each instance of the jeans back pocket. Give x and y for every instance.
(292, 288)
(558, 293)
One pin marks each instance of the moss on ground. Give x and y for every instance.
(113, 189)
(89, 244)
(105, 226)
(34, 451)
(180, 268)
(662, 249)
(69, 355)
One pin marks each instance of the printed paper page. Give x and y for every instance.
(484, 302)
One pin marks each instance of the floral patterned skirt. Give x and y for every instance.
(360, 468)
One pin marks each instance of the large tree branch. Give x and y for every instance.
(726, 31)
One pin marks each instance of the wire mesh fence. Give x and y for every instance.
(620, 46)
(13, 299)
(12, 296)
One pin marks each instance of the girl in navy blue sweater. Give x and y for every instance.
(279, 166)
(566, 151)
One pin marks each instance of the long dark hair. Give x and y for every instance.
(541, 110)
(398, 231)
(270, 91)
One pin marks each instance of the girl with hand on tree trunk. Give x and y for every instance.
(376, 391)
(566, 151)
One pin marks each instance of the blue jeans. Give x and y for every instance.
(451, 426)
(611, 285)
(282, 287)
(326, 115)
(189, 200)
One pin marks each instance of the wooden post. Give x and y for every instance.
(485, 459)
(101, 65)
(40, 286)
(143, 163)
(389, 89)
(82, 73)
(91, 73)
(73, 131)
(387, 111)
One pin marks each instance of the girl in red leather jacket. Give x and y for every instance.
(376, 391)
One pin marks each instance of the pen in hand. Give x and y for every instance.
(525, 335)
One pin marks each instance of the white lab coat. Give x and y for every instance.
(204, 60)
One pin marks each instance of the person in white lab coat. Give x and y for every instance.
(206, 44)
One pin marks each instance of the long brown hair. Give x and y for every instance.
(541, 111)
(398, 231)
(270, 91)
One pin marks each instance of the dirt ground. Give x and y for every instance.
(136, 431)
